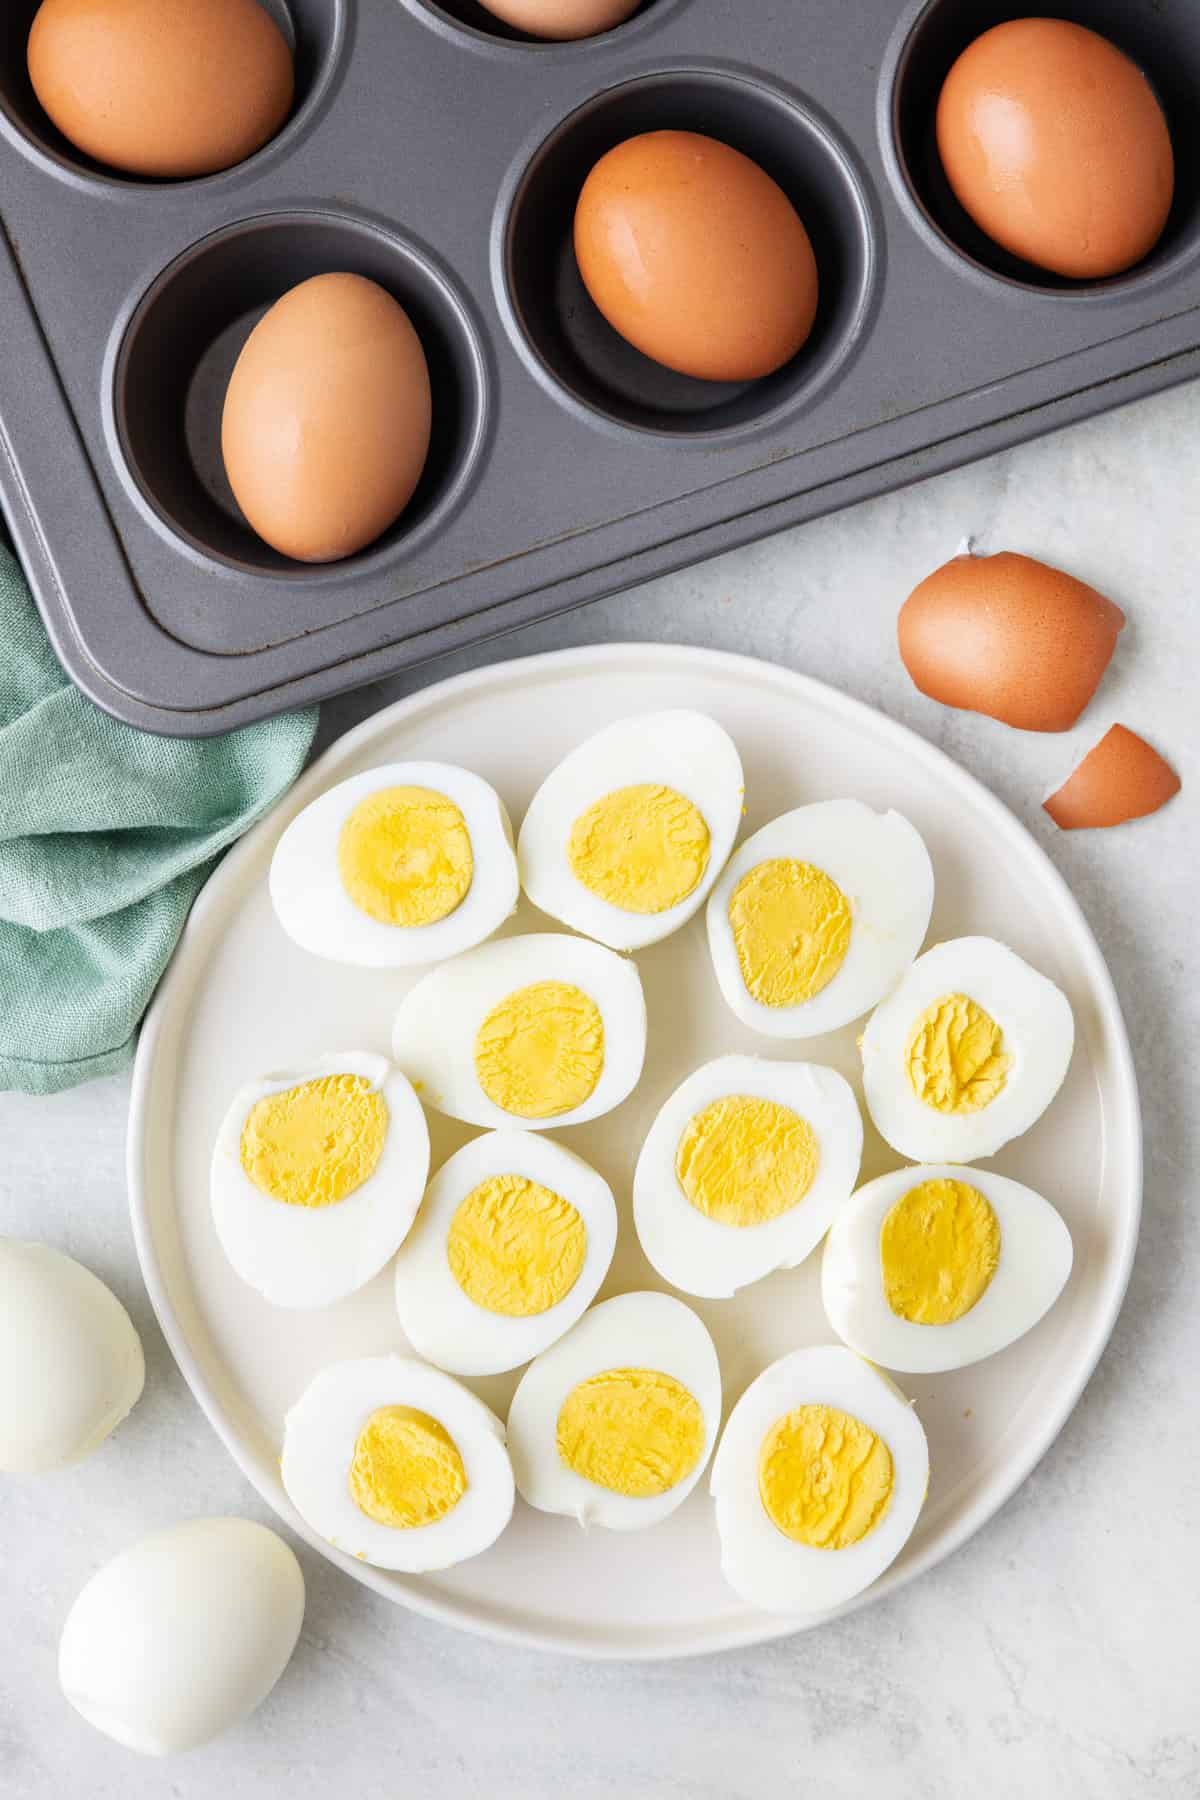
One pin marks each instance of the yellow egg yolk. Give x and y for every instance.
(515, 1247)
(407, 1470)
(634, 1431)
(955, 1056)
(791, 930)
(641, 848)
(540, 1052)
(824, 1478)
(314, 1144)
(744, 1160)
(404, 856)
(939, 1247)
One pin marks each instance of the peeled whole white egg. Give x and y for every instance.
(342, 1421)
(317, 1175)
(555, 1025)
(967, 1053)
(818, 1470)
(817, 916)
(422, 841)
(518, 1212)
(71, 1365)
(625, 838)
(634, 1391)
(729, 1133)
(931, 1267)
(183, 1634)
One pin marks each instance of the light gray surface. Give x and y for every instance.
(1056, 1654)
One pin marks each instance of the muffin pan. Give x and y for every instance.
(440, 153)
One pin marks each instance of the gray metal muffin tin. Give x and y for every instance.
(441, 154)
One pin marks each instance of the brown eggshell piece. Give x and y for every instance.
(1010, 637)
(162, 88)
(1122, 778)
(562, 19)
(696, 256)
(1055, 143)
(327, 418)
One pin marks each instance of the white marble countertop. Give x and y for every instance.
(1056, 1654)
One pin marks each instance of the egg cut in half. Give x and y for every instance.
(925, 1269)
(615, 1423)
(967, 1053)
(818, 915)
(625, 838)
(819, 1479)
(317, 1175)
(407, 864)
(743, 1170)
(540, 1031)
(397, 1464)
(513, 1239)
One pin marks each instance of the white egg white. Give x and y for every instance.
(321, 1432)
(71, 1364)
(182, 1634)
(318, 914)
(683, 750)
(704, 1256)
(433, 1039)
(305, 1256)
(1038, 1034)
(769, 1569)
(643, 1331)
(1035, 1261)
(442, 1323)
(880, 863)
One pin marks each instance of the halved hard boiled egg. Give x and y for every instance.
(818, 915)
(397, 1464)
(967, 1053)
(406, 864)
(317, 1175)
(542, 1031)
(513, 1239)
(615, 1423)
(936, 1267)
(743, 1170)
(625, 838)
(819, 1479)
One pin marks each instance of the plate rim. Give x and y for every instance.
(752, 1628)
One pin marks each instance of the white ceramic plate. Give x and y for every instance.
(239, 998)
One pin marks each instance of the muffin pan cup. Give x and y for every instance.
(435, 150)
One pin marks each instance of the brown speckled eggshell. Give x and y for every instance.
(162, 88)
(696, 256)
(1054, 142)
(1121, 778)
(1008, 636)
(562, 19)
(327, 418)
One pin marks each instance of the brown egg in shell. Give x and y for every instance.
(165, 89)
(1056, 145)
(696, 256)
(327, 418)
(1010, 637)
(562, 19)
(1121, 778)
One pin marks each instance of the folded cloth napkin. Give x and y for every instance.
(106, 836)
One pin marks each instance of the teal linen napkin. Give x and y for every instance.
(106, 836)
